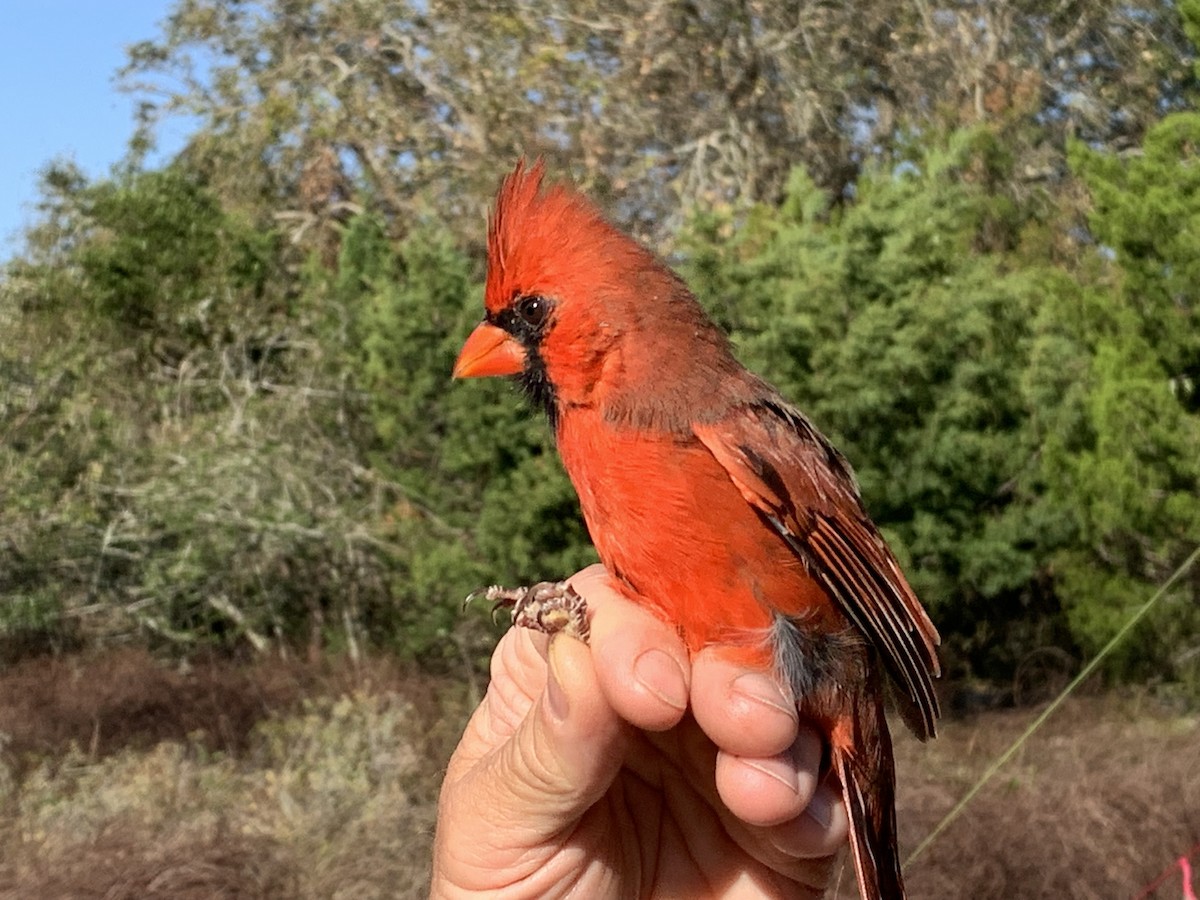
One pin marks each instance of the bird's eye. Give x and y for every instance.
(533, 310)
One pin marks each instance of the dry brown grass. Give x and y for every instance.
(128, 863)
(124, 778)
(125, 699)
(1097, 803)
(128, 699)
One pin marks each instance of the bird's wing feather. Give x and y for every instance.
(791, 474)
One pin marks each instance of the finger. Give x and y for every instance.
(530, 790)
(743, 710)
(821, 830)
(802, 848)
(769, 790)
(641, 663)
(567, 751)
(518, 679)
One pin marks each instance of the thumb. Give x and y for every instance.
(565, 754)
(524, 795)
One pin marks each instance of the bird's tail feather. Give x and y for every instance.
(867, 772)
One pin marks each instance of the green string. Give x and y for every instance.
(1049, 710)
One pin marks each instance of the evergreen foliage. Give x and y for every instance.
(215, 427)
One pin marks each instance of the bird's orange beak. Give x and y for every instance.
(489, 351)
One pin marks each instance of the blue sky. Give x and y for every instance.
(59, 96)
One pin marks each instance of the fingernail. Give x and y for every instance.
(820, 808)
(763, 689)
(556, 697)
(659, 673)
(782, 769)
(540, 643)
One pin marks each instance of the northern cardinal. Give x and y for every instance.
(709, 498)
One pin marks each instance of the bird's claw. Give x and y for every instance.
(548, 606)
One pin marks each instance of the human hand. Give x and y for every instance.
(583, 772)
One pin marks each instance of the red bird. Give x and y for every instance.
(709, 498)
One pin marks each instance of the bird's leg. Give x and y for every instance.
(548, 606)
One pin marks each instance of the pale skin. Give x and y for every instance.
(622, 768)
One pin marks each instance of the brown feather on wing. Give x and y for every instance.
(789, 472)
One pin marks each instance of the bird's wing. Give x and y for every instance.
(795, 478)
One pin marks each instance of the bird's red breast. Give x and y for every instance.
(677, 535)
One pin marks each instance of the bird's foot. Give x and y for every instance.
(548, 606)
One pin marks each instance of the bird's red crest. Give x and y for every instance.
(545, 239)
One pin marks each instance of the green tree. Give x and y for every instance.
(172, 429)
(1132, 469)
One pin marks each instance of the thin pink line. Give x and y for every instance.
(1184, 863)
